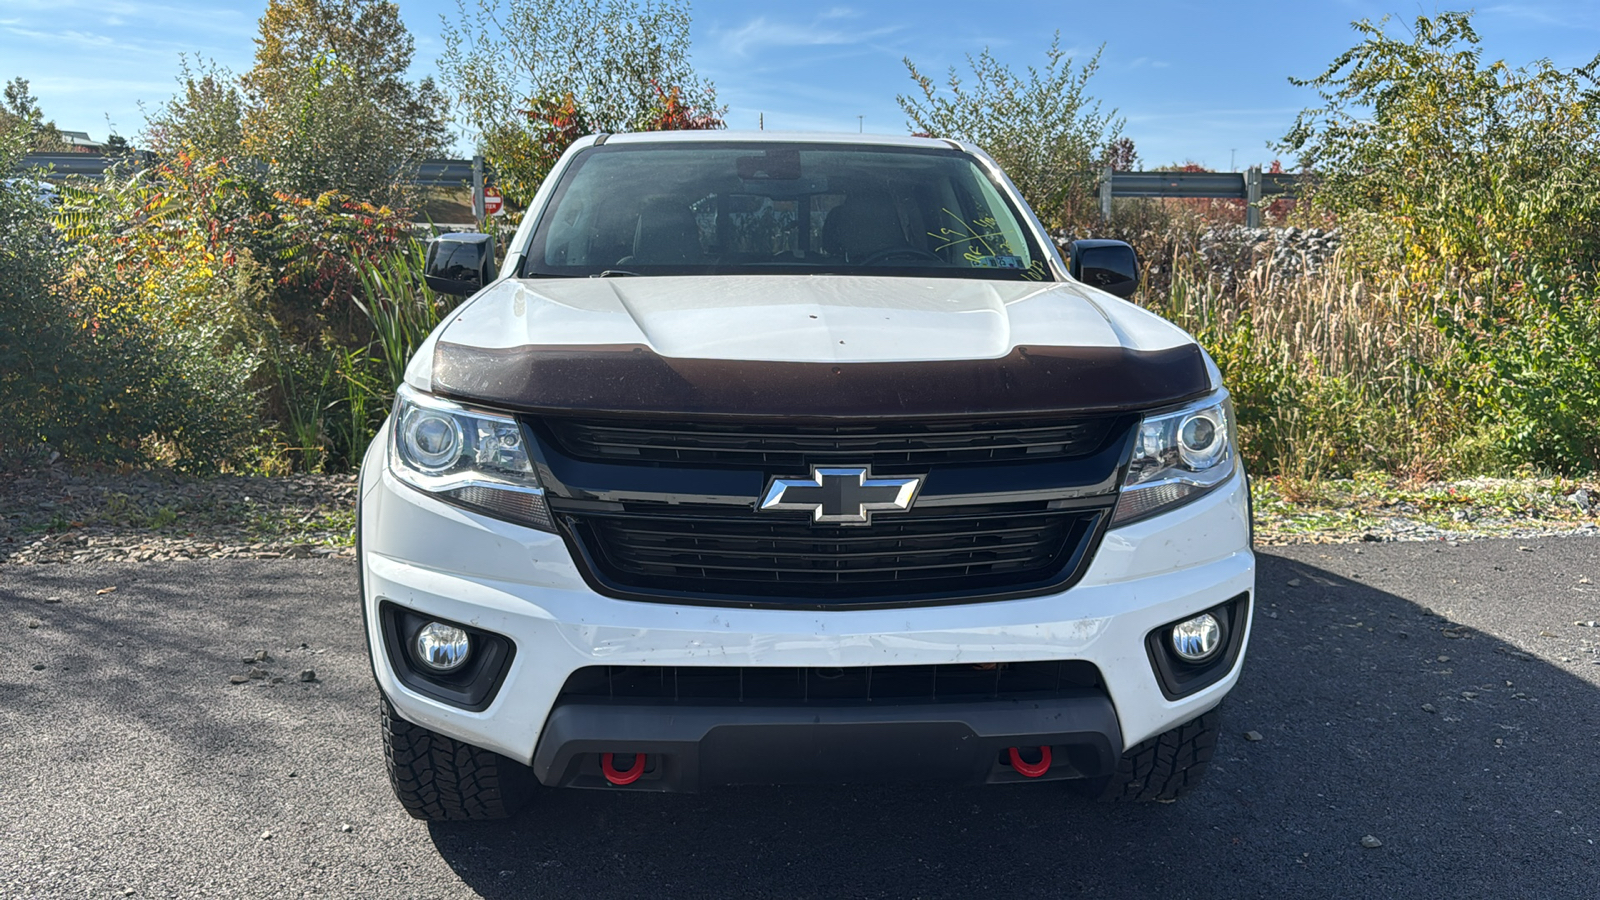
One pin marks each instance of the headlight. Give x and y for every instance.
(471, 458)
(1177, 457)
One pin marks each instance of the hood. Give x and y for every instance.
(820, 319)
(755, 345)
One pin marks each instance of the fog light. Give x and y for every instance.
(440, 647)
(1197, 639)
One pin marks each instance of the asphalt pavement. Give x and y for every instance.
(1439, 699)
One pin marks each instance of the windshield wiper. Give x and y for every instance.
(616, 272)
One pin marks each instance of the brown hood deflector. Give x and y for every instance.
(635, 379)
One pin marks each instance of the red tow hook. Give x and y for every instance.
(1031, 770)
(632, 775)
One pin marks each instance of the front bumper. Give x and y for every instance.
(712, 744)
(422, 554)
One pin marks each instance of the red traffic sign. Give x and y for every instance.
(493, 203)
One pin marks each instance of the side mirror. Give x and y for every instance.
(459, 264)
(1111, 266)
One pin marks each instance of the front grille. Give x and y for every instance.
(790, 684)
(924, 556)
(883, 445)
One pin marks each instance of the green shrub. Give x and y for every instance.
(1436, 162)
(247, 290)
(1532, 345)
(82, 371)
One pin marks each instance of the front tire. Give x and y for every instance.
(1164, 767)
(440, 779)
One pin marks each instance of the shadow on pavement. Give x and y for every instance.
(1491, 793)
(141, 673)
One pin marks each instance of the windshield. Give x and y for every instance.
(769, 208)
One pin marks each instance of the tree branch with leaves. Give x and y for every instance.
(531, 76)
(1041, 126)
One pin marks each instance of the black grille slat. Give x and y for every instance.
(877, 444)
(778, 555)
(755, 533)
(897, 570)
(766, 685)
(705, 552)
(780, 544)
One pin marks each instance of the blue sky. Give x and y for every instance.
(1196, 81)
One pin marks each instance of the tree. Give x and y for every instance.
(1437, 162)
(204, 120)
(22, 109)
(534, 76)
(366, 35)
(1043, 129)
(329, 104)
(1121, 155)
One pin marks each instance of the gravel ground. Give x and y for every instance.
(56, 515)
(1414, 720)
(1377, 508)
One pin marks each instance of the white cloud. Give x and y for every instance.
(86, 40)
(102, 46)
(68, 84)
(1582, 18)
(759, 33)
(204, 17)
(1530, 13)
(1249, 113)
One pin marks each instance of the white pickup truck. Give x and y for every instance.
(773, 458)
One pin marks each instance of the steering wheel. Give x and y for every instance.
(894, 252)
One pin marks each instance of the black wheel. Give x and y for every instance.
(1164, 767)
(439, 779)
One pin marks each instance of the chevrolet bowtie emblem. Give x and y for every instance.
(841, 495)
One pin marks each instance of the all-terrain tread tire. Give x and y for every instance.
(1166, 766)
(439, 779)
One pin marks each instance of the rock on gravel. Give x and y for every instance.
(1235, 253)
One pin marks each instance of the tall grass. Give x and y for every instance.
(402, 308)
(1333, 372)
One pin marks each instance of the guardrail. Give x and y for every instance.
(1253, 186)
(428, 173)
